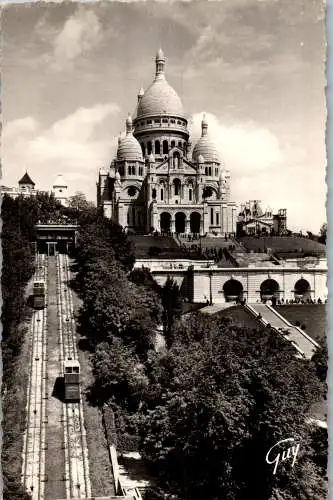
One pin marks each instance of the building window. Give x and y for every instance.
(165, 147)
(162, 194)
(210, 170)
(131, 191)
(129, 170)
(143, 150)
(149, 147)
(140, 171)
(216, 172)
(212, 216)
(206, 170)
(153, 194)
(173, 144)
(157, 148)
(165, 121)
(177, 186)
(217, 219)
(190, 194)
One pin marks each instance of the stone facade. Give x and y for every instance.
(202, 281)
(156, 182)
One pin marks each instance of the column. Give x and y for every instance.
(173, 226)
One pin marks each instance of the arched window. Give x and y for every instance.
(165, 147)
(217, 219)
(153, 194)
(133, 170)
(149, 147)
(216, 172)
(129, 170)
(206, 170)
(176, 159)
(157, 148)
(162, 194)
(173, 144)
(190, 194)
(210, 170)
(140, 171)
(179, 144)
(143, 149)
(177, 186)
(212, 216)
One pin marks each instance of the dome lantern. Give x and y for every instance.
(160, 99)
(160, 63)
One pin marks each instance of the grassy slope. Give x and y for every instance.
(311, 315)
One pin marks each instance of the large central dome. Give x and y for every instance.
(160, 98)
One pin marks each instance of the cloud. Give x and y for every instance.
(243, 147)
(264, 168)
(72, 146)
(80, 33)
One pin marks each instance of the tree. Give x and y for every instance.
(171, 304)
(323, 233)
(79, 201)
(223, 397)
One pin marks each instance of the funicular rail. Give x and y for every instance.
(76, 451)
(34, 445)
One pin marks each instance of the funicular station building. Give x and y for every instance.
(55, 236)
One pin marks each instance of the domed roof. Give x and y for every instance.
(205, 146)
(160, 98)
(128, 148)
(60, 182)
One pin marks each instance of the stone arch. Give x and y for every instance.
(176, 159)
(269, 288)
(302, 289)
(233, 290)
(180, 222)
(165, 222)
(195, 222)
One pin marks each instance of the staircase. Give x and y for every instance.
(304, 344)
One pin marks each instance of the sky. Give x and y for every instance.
(71, 73)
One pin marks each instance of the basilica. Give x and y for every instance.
(157, 182)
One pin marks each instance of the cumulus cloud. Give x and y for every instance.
(70, 146)
(263, 168)
(80, 33)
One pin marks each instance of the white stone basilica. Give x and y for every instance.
(156, 183)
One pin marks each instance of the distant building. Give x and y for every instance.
(26, 188)
(252, 220)
(157, 182)
(60, 190)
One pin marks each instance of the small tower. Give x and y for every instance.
(26, 185)
(60, 190)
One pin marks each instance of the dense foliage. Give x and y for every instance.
(209, 406)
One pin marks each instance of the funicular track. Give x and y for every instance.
(34, 445)
(75, 445)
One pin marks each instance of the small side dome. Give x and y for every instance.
(205, 146)
(60, 182)
(129, 148)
